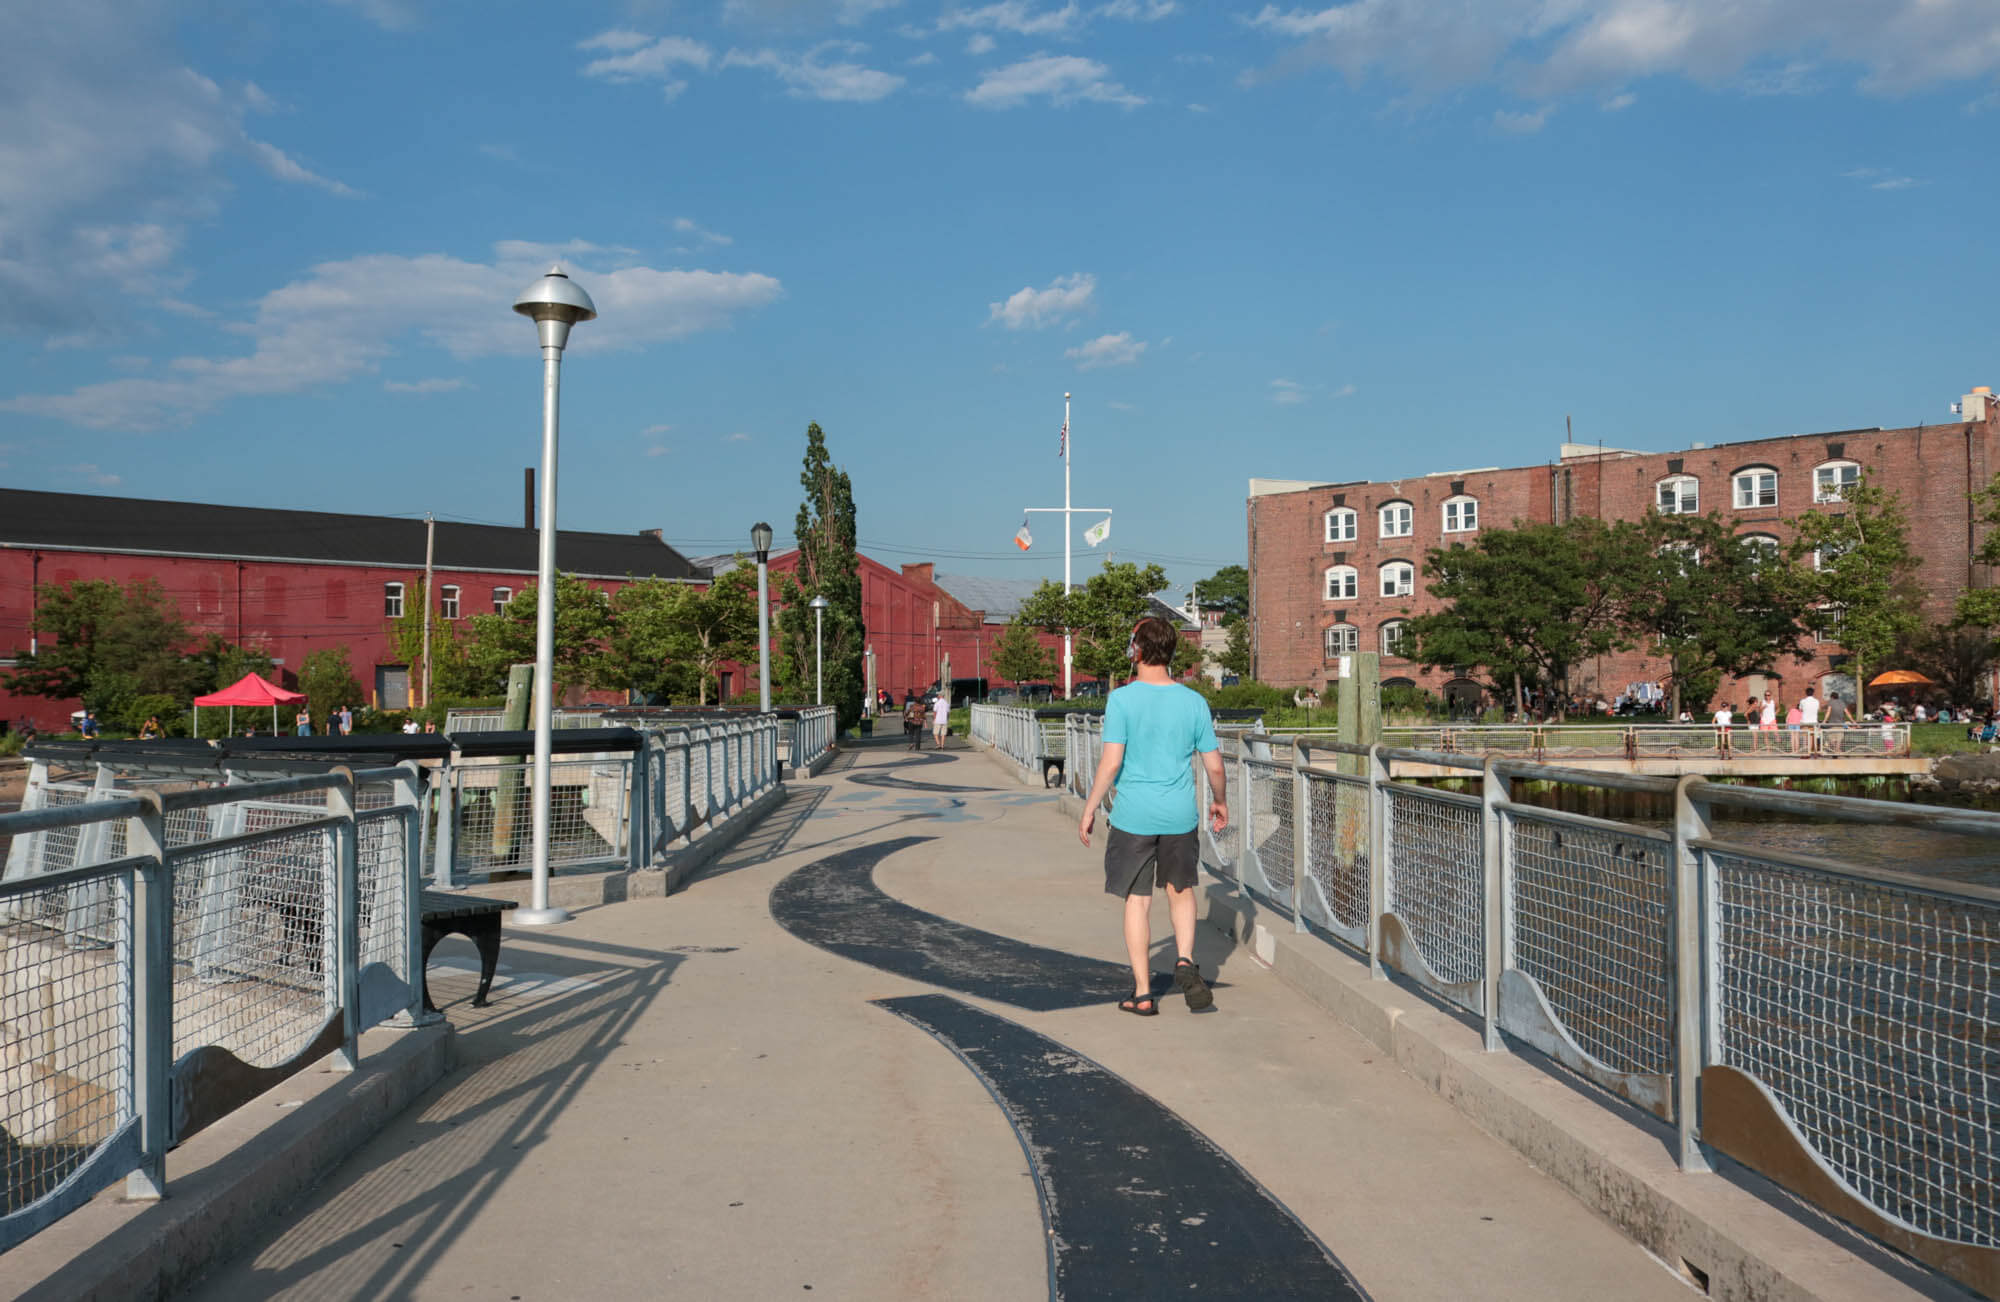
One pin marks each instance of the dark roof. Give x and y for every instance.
(85, 522)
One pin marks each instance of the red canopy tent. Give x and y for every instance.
(250, 690)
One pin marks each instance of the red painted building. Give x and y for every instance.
(286, 582)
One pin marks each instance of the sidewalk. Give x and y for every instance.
(680, 1097)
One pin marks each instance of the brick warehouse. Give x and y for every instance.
(1338, 566)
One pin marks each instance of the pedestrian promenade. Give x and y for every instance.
(813, 1071)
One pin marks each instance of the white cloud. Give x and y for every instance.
(688, 227)
(796, 13)
(618, 40)
(1880, 178)
(1063, 78)
(1137, 11)
(1015, 16)
(654, 431)
(1620, 102)
(281, 165)
(1521, 124)
(809, 78)
(738, 437)
(1287, 393)
(1344, 391)
(391, 15)
(1120, 349)
(981, 43)
(89, 472)
(1028, 308)
(655, 60)
(657, 450)
(434, 385)
(924, 60)
(328, 326)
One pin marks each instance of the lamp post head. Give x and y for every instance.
(555, 304)
(820, 602)
(760, 541)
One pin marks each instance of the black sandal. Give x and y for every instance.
(1130, 1004)
(1188, 977)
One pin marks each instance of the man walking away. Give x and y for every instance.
(940, 718)
(1153, 729)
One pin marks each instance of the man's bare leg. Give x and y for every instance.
(1139, 941)
(1180, 909)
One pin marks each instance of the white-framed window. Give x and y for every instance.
(1826, 623)
(501, 598)
(1392, 637)
(448, 601)
(1342, 525)
(1397, 520)
(1832, 480)
(1755, 486)
(1461, 514)
(1399, 579)
(1342, 640)
(1679, 495)
(1763, 547)
(392, 600)
(1343, 583)
(1827, 553)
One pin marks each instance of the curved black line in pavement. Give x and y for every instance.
(835, 904)
(891, 782)
(1137, 1203)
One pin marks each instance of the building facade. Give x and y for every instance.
(1338, 567)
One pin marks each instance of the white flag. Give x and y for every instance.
(1098, 532)
(1024, 539)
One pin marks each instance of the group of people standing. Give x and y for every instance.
(1802, 719)
(339, 724)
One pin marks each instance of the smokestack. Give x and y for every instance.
(528, 500)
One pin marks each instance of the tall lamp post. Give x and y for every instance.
(554, 304)
(760, 542)
(819, 605)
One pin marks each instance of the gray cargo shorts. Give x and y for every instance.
(1132, 860)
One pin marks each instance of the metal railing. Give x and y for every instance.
(1645, 740)
(809, 733)
(166, 955)
(1021, 734)
(1836, 1027)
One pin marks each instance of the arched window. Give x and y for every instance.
(1832, 480)
(1397, 519)
(1461, 514)
(392, 600)
(1763, 547)
(501, 596)
(1341, 525)
(1755, 486)
(1679, 495)
(1343, 583)
(448, 601)
(1399, 579)
(1392, 637)
(1342, 640)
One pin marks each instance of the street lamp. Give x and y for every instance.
(819, 605)
(555, 305)
(760, 542)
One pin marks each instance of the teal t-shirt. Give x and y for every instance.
(1162, 726)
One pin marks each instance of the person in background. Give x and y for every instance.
(430, 725)
(940, 718)
(345, 719)
(913, 721)
(304, 723)
(1793, 718)
(150, 730)
(86, 726)
(1837, 718)
(411, 727)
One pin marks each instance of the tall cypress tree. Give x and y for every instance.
(828, 566)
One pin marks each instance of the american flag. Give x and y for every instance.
(1062, 447)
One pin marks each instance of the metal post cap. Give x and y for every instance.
(555, 297)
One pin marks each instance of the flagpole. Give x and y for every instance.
(1069, 645)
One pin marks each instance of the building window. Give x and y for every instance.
(1461, 514)
(1392, 637)
(1832, 480)
(1679, 495)
(336, 598)
(392, 600)
(1826, 624)
(1342, 640)
(1399, 579)
(1763, 548)
(1343, 583)
(1398, 520)
(1756, 486)
(502, 596)
(1341, 525)
(1824, 556)
(448, 601)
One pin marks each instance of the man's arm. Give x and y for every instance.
(1108, 761)
(1218, 790)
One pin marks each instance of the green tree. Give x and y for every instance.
(1526, 604)
(451, 668)
(1980, 607)
(1955, 656)
(1226, 590)
(327, 679)
(1101, 614)
(499, 642)
(1235, 656)
(671, 639)
(1706, 602)
(827, 566)
(118, 649)
(1020, 657)
(1857, 563)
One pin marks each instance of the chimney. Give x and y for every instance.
(1977, 405)
(920, 571)
(528, 500)
(654, 534)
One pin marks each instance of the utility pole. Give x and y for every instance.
(1066, 511)
(430, 539)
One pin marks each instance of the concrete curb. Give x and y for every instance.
(1025, 776)
(815, 768)
(227, 1184)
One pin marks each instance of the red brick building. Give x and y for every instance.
(1338, 567)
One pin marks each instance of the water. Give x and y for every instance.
(1973, 860)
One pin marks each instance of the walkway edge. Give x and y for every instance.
(229, 1183)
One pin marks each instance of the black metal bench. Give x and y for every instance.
(477, 918)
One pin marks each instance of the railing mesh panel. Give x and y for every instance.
(1223, 851)
(65, 1035)
(1271, 806)
(382, 897)
(1339, 846)
(1435, 883)
(253, 937)
(1872, 1013)
(496, 818)
(1592, 925)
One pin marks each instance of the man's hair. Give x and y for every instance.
(1156, 640)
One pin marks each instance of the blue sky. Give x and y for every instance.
(263, 253)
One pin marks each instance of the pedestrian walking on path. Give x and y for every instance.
(940, 719)
(1153, 729)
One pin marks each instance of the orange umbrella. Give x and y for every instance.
(1901, 678)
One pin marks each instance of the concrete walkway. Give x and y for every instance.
(679, 1097)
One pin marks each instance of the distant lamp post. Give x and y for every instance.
(760, 541)
(555, 304)
(819, 605)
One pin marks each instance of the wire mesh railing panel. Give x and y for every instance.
(1338, 840)
(1669, 739)
(253, 945)
(1436, 884)
(1581, 740)
(55, 849)
(1872, 1013)
(66, 1050)
(1271, 808)
(495, 812)
(1493, 740)
(382, 893)
(1223, 851)
(1592, 914)
(698, 780)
